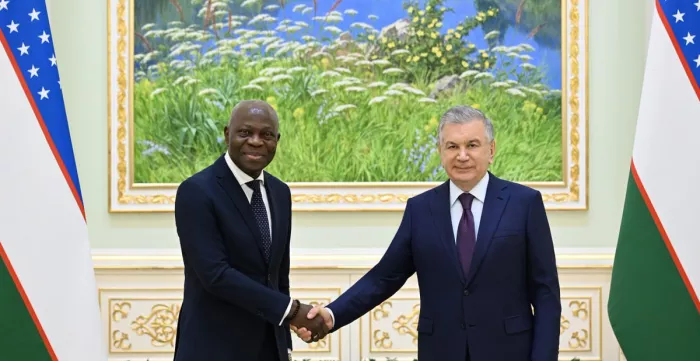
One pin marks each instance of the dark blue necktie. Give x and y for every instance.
(466, 236)
(261, 216)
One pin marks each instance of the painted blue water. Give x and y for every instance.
(388, 12)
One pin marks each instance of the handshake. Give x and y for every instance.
(310, 323)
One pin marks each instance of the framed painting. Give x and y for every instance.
(359, 86)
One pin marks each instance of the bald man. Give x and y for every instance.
(234, 223)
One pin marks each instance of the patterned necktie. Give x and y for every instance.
(466, 236)
(261, 216)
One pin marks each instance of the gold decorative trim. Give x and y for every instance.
(162, 202)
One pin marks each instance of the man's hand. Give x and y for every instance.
(315, 327)
(308, 335)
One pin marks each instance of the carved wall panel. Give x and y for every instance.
(140, 301)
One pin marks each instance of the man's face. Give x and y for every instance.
(466, 153)
(252, 138)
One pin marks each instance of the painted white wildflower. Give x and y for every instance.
(528, 66)
(344, 107)
(413, 90)
(335, 13)
(318, 92)
(157, 91)
(206, 91)
(363, 63)
(342, 83)
(343, 70)
(272, 7)
(427, 100)
(280, 77)
(468, 73)
(525, 57)
(303, 24)
(512, 82)
(381, 62)
(248, 3)
(361, 25)
(392, 71)
(308, 38)
(400, 52)
(275, 45)
(181, 79)
(295, 69)
(378, 99)
(492, 34)
(393, 92)
(250, 46)
(298, 7)
(262, 79)
(351, 12)
(293, 28)
(148, 26)
(191, 82)
(484, 75)
(499, 49)
(372, 17)
(530, 90)
(307, 10)
(319, 54)
(174, 24)
(281, 28)
(526, 47)
(376, 84)
(329, 73)
(516, 92)
(500, 84)
(358, 89)
(512, 54)
(333, 29)
(399, 86)
(271, 71)
(252, 87)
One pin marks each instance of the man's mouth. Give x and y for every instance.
(253, 156)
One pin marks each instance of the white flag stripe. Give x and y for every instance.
(43, 231)
(665, 151)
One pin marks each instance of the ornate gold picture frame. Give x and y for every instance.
(128, 194)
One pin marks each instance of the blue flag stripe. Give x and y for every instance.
(24, 25)
(682, 21)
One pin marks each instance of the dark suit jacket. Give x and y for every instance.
(231, 295)
(488, 312)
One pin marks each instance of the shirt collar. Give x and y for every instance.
(479, 190)
(240, 175)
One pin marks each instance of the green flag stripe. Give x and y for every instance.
(21, 336)
(664, 236)
(651, 310)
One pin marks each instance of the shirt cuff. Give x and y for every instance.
(289, 307)
(332, 316)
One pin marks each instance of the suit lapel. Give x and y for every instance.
(440, 209)
(234, 191)
(277, 219)
(494, 204)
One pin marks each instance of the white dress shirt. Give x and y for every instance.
(244, 178)
(479, 193)
(456, 210)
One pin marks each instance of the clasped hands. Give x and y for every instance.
(311, 323)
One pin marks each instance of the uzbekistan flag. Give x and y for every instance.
(653, 304)
(48, 295)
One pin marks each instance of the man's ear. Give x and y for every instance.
(226, 134)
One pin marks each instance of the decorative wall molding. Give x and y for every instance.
(140, 292)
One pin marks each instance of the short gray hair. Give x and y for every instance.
(461, 114)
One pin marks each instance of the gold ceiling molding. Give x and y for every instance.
(125, 196)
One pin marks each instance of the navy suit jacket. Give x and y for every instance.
(231, 294)
(487, 312)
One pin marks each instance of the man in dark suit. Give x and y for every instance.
(234, 224)
(483, 254)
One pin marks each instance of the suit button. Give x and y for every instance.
(466, 292)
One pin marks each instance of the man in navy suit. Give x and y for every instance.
(234, 224)
(483, 254)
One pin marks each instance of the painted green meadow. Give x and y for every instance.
(355, 105)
